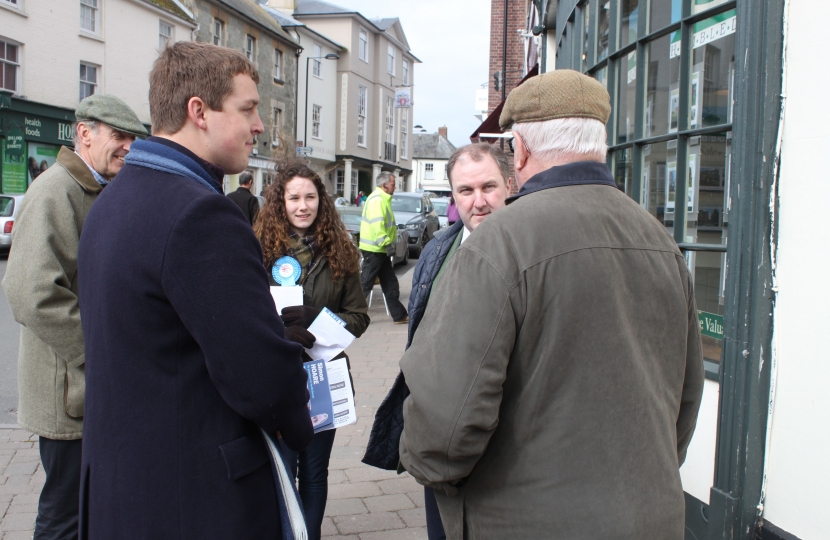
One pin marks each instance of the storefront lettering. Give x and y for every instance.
(711, 325)
(64, 132)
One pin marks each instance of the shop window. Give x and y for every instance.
(603, 29)
(628, 16)
(9, 65)
(626, 96)
(90, 16)
(165, 34)
(89, 80)
(662, 85)
(663, 13)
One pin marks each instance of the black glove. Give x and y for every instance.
(299, 315)
(300, 335)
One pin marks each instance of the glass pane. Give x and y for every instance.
(586, 25)
(702, 5)
(623, 170)
(627, 68)
(664, 13)
(663, 85)
(11, 52)
(658, 188)
(602, 76)
(713, 71)
(628, 18)
(603, 28)
(10, 80)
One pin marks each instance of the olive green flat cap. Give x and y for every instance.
(112, 111)
(562, 93)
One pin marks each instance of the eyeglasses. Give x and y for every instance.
(510, 144)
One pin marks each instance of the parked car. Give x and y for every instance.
(441, 204)
(352, 216)
(415, 214)
(9, 209)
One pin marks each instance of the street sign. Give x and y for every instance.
(304, 150)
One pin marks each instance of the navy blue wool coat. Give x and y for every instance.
(185, 361)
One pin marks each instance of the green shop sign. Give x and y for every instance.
(38, 128)
(710, 324)
(14, 163)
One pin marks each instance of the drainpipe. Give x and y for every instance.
(504, 65)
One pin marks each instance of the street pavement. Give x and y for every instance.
(9, 337)
(364, 503)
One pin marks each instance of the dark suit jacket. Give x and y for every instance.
(185, 361)
(247, 202)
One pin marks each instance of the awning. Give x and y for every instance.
(491, 123)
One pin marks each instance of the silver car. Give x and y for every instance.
(441, 204)
(9, 209)
(415, 214)
(352, 217)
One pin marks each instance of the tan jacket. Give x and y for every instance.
(41, 285)
(557, 374)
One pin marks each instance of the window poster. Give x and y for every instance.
(694, 100)
(671, 184)
(14, 163)
(41, 157)
(674, 109)
(691, 186)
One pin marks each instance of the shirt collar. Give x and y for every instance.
(465, 233)
(98, 178)
(571, 174)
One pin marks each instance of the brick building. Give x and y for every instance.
(514, 68)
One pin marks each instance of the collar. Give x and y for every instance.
(98, 178)
(578, 173)
(465, 234)
(216, 172)
(382, 193)
(78, 169)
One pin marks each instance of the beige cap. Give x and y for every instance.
(562, 93)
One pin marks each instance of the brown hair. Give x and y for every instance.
(272, 226)
(189, 69)
(476, 152)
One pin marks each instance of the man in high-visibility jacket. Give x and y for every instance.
(378, 234)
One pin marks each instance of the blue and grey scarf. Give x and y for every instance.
(165, 159)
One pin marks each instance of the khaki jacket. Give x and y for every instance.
(41, 285)
(557, 373)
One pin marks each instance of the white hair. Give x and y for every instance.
(561, 137)
(91, 124)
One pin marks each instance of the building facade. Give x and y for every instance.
(431, 153)
(713, 131)
(372, 129)
(40, 89)
(246, 26)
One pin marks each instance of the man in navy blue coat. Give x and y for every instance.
(177, 386)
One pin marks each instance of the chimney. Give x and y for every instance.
(442, 131)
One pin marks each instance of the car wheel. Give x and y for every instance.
(406, 257)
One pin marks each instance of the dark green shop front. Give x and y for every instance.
(31, 135)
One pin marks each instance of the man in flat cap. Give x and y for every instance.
(564, 408)
(41, 285)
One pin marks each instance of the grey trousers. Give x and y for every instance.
(58, 507)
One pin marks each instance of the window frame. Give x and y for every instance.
(363, 45)
(96, 16)
(391, 58)
(81, 81)
(429, 171)
(362, 97)
(218, 24)
(405, 72)
(17, 66)
(316, 61)
(169, 38)
(278, 58)
(316, 121)
(404, 132)
(250, 48)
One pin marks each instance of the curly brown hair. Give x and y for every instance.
(272, 227)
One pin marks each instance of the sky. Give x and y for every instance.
(452, 39)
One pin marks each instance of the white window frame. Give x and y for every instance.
(316, 63)
(165, 39)
(339, 182)
(218, 37)
(93, 7)
(354, 182)
(4, 62)
(15, 4)
(363, 45)
(276, 127)
(404, 132)
(362, 93)
(250, 48)
(390, 59)
(389, 135)
(429, 171)
(316, 118)
(277, 65)
(85, 80)
(405, 70)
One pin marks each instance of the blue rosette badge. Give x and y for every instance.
(286, 271)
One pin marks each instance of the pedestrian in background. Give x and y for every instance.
(41, 286)
(244, 199)
(452, 211)
(188, 361)
(299, 221)
(556, 377)
(378, 235)
(478, 178)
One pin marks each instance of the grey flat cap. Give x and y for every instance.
(112, 111)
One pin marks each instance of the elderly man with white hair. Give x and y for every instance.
(557, 374)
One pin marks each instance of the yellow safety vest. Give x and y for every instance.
(377, 229)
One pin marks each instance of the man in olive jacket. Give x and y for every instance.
(41, 285)
(557, 374)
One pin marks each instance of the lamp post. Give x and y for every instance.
(330, 56)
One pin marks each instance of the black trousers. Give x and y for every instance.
(435, 529)
(58, 507)
(379, 265)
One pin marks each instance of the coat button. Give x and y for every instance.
(423, 286)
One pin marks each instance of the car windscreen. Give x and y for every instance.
(351, 219)
(406, 204)
(440, 207)
(6, 207)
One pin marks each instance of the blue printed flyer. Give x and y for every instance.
(319, 391)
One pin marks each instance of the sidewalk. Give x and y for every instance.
(364, 503)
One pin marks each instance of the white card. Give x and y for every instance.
(332, 338)
(287, 296)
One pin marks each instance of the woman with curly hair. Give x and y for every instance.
(299, 220)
